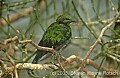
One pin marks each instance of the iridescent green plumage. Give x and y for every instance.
(57, 32)
(56, 35)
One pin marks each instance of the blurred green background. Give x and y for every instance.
(32, 24)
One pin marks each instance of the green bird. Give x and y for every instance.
(57, 36)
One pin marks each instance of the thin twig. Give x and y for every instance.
(16, 16)
(15, 74)
(99, 39)
(96, 43)
(70, 59)
(53, 51)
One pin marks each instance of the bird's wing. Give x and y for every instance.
(55, 35)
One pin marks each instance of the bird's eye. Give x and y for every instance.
(61, 20)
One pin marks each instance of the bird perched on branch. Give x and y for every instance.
(57, 36)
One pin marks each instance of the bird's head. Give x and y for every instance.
(64, 19)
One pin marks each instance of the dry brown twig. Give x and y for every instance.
(98, 39)
(36, 46)
(96, 43)
(70, 59)
(10, 40)
(28, 41)
(14, 74)
(91, 23)
(13, 68)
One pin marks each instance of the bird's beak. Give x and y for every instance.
(73, 21)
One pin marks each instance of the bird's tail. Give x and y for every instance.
(39, 55)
